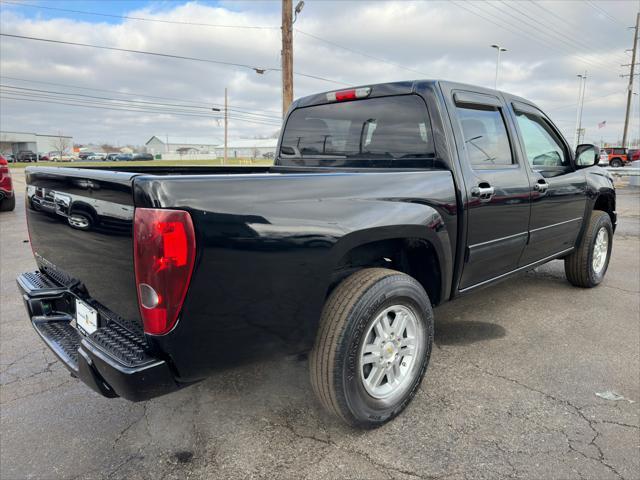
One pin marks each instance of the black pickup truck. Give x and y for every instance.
(384, 202)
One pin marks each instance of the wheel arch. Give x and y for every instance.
(413, 250)
(606, 201)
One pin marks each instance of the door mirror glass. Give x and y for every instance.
(587, 155)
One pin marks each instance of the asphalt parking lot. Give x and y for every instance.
(510, 393)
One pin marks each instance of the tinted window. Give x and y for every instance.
(619, 151)
(485, 137)
(541, 143)
(377, 130)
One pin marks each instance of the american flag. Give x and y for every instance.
(602, 124)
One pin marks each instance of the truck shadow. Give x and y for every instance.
(464, 332)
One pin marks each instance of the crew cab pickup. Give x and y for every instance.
(383, 202)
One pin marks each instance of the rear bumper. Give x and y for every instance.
(113, 361)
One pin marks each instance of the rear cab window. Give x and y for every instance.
(485, 136)
(378, 132)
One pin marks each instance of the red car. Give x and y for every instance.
(7, 197)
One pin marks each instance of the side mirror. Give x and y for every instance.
(587, 155)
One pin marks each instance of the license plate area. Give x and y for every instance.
(86, 317)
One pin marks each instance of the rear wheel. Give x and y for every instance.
(373, 346)
(8, 204)
(616, 162)
(587, 265)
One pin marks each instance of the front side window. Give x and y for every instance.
(485, 137)
(386, 130)
(541, 144)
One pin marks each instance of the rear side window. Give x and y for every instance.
(619, 151)
(485, 136)
(376, 132)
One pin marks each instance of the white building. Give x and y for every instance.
(195, 147)
(14, 142)
(159, 144)
(249, 148)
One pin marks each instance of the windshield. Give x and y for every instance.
(393, 131)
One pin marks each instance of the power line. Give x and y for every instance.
(358, 52)
(68, 94)
(557, 37)
(97, 105)
(199, 102)
(561, 22)
(178, 22)
(259, 70)
(592, 98)
(141, 19)
(607, 15)
(570, 41)
(507, 27)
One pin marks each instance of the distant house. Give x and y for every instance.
(172, 144)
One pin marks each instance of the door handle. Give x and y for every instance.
(541, 186)
(484, 191)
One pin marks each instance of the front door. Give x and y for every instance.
(497, 188)
(558, 199)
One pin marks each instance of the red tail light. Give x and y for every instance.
(351, 94)
(164, 250)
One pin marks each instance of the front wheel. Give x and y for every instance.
(373, 346)
(587, 265)
(616, 162)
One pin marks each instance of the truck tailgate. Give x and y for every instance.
(80, 225)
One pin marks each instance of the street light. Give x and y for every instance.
(297, 10)
(582, 79)
(499, 50)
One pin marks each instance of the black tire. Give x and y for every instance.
(347, 315)
(616, 162)
(8, 204)
(578, 266)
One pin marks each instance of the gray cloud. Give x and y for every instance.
(548, 43)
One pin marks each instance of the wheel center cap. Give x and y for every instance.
(388, 350)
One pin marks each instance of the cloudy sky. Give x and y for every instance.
(99, 95)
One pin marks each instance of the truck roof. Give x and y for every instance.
(401, 88)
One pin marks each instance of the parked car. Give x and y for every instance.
(85, 155)
(604, 158)
(11, 158)
(95, 157)
(26, 156)
(111, 157)
(44, 158)
(618, 157)
(633, 155)
(61, 157)
(7, 195)
(384, 201)
(124, 157)
(142, 156)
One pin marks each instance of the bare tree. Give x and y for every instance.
(61, 144)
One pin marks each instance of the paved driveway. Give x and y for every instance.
(510, 392)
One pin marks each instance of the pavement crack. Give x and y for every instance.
(329, 443)
(577, 410)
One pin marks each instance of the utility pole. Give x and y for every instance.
(287, 51)
(226, 125)
(631, 77)
(287, 55)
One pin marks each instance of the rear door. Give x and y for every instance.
(558, 199)
(496, 183)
